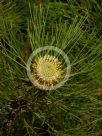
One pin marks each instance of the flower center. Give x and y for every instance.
(48, 69)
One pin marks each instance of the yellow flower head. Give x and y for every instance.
(46, 72)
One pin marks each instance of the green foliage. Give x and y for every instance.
(71, 110)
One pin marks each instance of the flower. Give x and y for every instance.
(46, 72)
